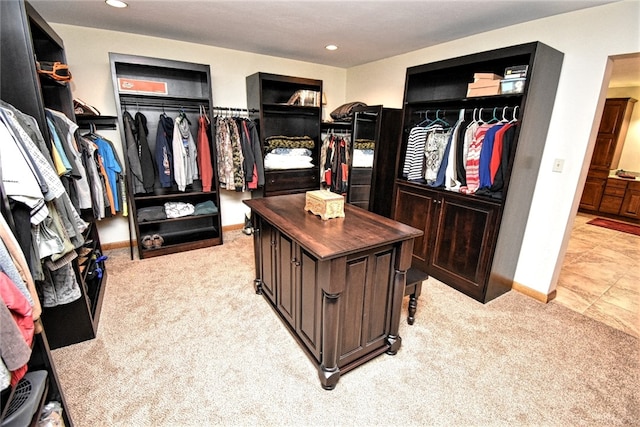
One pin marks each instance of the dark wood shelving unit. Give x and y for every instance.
(27, 38)
(371, 188)
(267, 96)
(472, 242)
(188, 89)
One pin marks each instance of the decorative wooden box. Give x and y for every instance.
(325, 204)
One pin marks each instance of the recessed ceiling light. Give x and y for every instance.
(116, 3)
(331, 47)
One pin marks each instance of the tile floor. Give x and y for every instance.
(600, 277)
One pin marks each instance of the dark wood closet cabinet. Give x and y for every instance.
(26, 37)
(371, 187)
(187, 90)
(614, 123)
(29, 37)
(472, 242)
(269, 100)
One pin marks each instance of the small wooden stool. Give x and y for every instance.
(413, 288)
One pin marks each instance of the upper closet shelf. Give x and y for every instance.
(491, 99)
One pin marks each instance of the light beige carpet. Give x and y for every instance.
(183, 340)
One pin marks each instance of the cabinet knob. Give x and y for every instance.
(295, 262)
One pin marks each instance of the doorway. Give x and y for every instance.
(599, 276)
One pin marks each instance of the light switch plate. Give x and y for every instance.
(558, 164)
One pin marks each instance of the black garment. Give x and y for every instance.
(247, 152)
(146, 161)
(257, 153)
(132, 153)
(495, 191)
(336, 165)
(21, 214)
(461, 171)
(164, 154)
(503, 169)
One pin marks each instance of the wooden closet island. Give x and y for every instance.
(336, 284)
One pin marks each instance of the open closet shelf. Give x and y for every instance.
(471, 241)
(187, 95)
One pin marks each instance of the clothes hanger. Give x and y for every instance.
(473, 118)
(440, 120)
(480, 120)
(493, 119)
(426, 120)
(92, 134)
(515, 118)
(203, 113)
(183, 115)
(504, 115)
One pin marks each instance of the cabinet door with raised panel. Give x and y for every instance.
(268, 254)
(416, 207)
(286, 271)
(464, 244)
(631, 203)
(309, 300)
(612, 133)
(366, 302)
(593, 190)
(613, 195)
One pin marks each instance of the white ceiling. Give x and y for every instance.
(364, 30)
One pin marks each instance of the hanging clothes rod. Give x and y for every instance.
(186, 105)
(435, 112)
(244, 110)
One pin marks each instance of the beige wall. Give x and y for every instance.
(587, 38)
(88, 50)
(630, 157)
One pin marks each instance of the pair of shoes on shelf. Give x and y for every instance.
(152, 241)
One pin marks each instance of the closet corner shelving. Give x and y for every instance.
(268, 94)
(187, 90)
(372, 188)
(378, 129)
(472, 242)
(28, 37)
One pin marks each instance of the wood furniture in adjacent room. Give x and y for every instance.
(337, 284)
(269, 101)
(472, 242)
(599, 195)
(188, 90)
(621, 199)
(370, 187)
